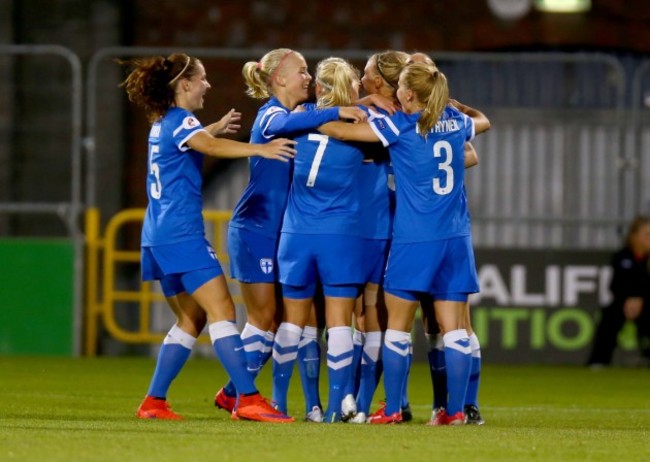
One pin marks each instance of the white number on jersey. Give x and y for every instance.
(320, 151)
(443, 149)
(156, 188)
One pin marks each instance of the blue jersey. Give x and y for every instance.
(173, 182)
(325, 194)
(377, 199)
(261, 207)
(429, 175)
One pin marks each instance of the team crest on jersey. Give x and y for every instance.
(266, 265)
(190, 122)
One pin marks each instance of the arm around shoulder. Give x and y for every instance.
(349, 132)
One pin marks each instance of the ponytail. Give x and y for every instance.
(430, 87)
(259, 75)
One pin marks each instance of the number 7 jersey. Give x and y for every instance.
(325, 195)
(431, 203)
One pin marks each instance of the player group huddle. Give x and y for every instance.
(355, 214)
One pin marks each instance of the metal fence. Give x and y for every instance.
(40, 150)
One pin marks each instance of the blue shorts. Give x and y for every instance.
(332, 259)
(444, 269)
(252, 256)
(373, 264)
(180, 267)
(309, 291)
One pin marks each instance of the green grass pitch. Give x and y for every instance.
(54, 409)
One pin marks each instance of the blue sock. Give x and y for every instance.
(309, 367)
(269, 338)
(358, 339)
(438, 371)
(285, 352)
(368, 375)
(339, 368)
(173, 354)
(409, 357)
(395, 359)
(459, 362)
(254, 342)
(475, 374)
(230, 351)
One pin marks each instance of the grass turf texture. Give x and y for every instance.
(83, 410)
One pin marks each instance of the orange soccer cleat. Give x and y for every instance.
(256, 407)
(380, 417)
(156, 408)
(225, 402)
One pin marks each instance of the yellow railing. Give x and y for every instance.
(103, 255)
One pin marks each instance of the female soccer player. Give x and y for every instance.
(380, 77)
(431, 251)
(320, 242)
(174, 248)
(281, 75)
(432, 333)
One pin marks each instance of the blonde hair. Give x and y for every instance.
(336, 76)
(430, 87)
(258, 74)
(151, 83)
(389, 64)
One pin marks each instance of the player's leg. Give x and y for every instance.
(436, 357)
(260, 302)
(339, 305)
(297, 306)
(471, 398)
(212, 294)
(369, 377)
(450, 315)
(309, 352)
(349, 404)
(401, 306)
(175, 349)
(252, 263)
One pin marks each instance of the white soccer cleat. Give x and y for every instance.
(315, 415)
(360, 418)
(348, 408)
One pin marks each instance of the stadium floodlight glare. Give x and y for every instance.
(563, 6)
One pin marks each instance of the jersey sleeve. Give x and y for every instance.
(277, 121)
(384, 127)
(470, 131)
(186, 128)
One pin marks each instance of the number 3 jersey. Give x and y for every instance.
(431, 203)
(173, 181)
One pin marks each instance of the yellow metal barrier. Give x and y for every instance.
(102, 293)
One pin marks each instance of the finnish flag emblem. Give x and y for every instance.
(266, 264)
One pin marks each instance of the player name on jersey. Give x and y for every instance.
(445, 126)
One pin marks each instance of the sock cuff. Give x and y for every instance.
(294, 329)
(440, 342)
(250, 330)
(339, 329)
(458, 340)
(358, 337)
(222, 329)
(397, 336)
(474, 343)
(373, 338)
(178, 336)
(310, 332)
